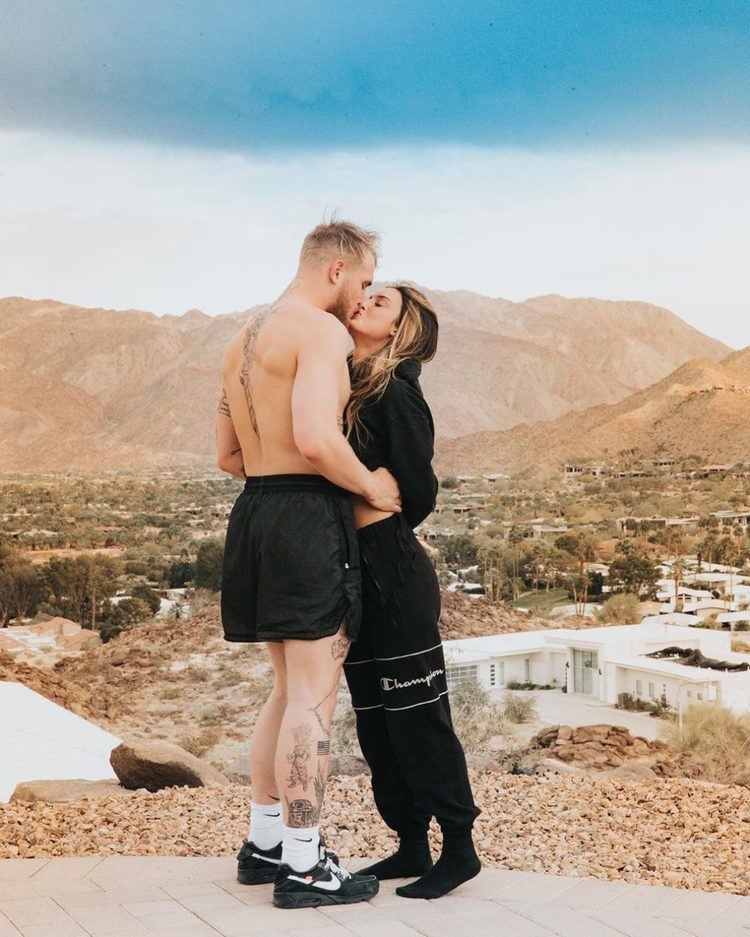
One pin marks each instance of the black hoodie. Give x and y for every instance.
(398, 432)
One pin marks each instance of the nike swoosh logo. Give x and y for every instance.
(333, 884)
(266, 858)
(299, 840)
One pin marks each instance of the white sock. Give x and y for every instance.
(265, 825)
(300, 847)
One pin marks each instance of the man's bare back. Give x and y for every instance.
(259, 369)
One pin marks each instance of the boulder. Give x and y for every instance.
(66, 791)
(348, 765)
(591, 733)
(565, 734)
(155, 765)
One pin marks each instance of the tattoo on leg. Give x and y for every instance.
(314, 709)
(320, 788)
(299, 756)
(340, 647)
(324, 748)
(301, 813)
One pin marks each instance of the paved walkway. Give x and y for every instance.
(133, 896)
(558, 708)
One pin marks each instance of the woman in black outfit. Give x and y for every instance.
(396, 669)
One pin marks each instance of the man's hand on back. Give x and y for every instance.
(384, 495)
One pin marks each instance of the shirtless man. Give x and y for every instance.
(291, 564)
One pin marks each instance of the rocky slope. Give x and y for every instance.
(83, 388)
(702, 408)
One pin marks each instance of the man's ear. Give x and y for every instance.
(335, 271)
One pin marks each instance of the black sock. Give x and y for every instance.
(412, 858)
(457, 864)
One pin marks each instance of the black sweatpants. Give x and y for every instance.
(396, 675)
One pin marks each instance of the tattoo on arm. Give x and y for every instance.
(223, 406)
(324, 748)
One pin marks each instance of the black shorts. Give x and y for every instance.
(291, 561)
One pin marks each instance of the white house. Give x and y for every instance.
(604, 663)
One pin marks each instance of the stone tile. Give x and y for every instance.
(646, 899)
(564, 922)
(15, 869)
(22, 911)
(73, 929)
(381, 928)
(534, 887)
(481, 924)
(7, 929)
(699, 906)
(213, 903)
(122, 868)
(591, 893)
(197, 889)
(180, 868)
(68, 868)
(116, 895)
(103, 920)
(713, 928)
(219, 867)
(738, 913)
(31, 888)
(165, 913)
(636, 924)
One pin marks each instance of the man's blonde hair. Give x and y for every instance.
(335, 238)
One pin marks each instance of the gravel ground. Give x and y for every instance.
(673, 832)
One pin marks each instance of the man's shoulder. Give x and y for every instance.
(316, 323)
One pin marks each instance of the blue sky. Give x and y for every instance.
(172, 154)
(260, 75)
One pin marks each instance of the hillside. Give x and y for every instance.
(86, 388)
(702, 408)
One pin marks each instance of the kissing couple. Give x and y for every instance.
(321, 564)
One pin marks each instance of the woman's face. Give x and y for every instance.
(375, 321)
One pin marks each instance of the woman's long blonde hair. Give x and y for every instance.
(416, 337)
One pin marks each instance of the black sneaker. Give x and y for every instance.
(257, 866)
(325, 883)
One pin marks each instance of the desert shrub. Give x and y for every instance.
(476, 717)
(621, 609)
(170, 692)
(195, 673)
(215, 714)
(198, 743)
(229, 676)
(200, 599)
(519, 708)
(716, 741)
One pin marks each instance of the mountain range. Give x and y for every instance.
(701, 409)
(86, 389)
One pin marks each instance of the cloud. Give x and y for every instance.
(166, 229)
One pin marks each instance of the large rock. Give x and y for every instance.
(64, 792)
(155, 765)
(347, 764)
(591, 733)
